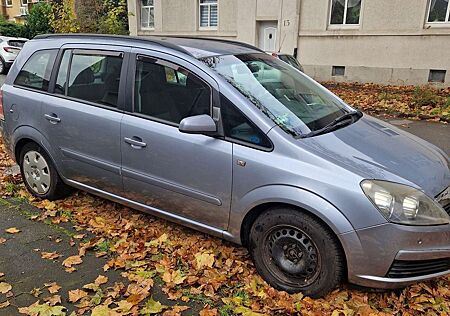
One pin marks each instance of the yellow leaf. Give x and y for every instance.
(103, 310)
(244, 311)
(12, 230)
(4, 304)
(157, 242)
(152, 307)
(204, 260)
(123, 307)
(5, 287)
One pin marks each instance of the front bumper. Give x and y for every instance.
(392, 256)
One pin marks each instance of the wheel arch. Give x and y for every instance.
(27, 134)
(263, 198)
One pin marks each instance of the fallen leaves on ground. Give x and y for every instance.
(191, 267)
(423, 103)
(12, 230)
(2, 240)
(37, 309)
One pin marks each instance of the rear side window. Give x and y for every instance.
(237, 126)
(93, 77)
(37, 70)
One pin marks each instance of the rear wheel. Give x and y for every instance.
(40, 175)
(295, 252)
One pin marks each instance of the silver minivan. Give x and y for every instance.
(224, 138)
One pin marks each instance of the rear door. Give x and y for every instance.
(82, 114)
(183, 174)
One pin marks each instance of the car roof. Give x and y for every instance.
(195, 47)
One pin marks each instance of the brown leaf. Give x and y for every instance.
(52, 287)
(76, 295)
(101, 280)
(53, 300)
(2, 240)
(50, 255)
(73, 260)
(4, 304)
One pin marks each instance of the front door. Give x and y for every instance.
(268, 36)
(183, 174)
(81, 117)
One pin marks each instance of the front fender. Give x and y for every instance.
(291, 195)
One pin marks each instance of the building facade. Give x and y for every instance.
(16, 10)
(382, 41)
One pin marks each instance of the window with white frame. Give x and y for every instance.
(8, 3)
(439, 11)
(147, 14)
(345, 12)
(208, 13)
(24, 3)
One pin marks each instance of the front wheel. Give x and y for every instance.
(295, 252)
(40, 175)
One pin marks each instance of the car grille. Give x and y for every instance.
(408, 269)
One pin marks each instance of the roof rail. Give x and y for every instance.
(217, 40)
(116, 37)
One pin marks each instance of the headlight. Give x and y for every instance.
(403, 204)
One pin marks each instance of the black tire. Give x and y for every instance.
(295, 252)
(55, 188)
(3, 69)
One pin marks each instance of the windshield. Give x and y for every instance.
(293, 101)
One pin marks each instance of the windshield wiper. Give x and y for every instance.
(341, 121)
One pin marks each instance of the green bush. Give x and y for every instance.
(38, 20)
(11, 29)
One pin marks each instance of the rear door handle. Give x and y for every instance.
(52, 118)
(135, 142)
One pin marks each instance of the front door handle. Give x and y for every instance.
(135, 142)
(52, 118)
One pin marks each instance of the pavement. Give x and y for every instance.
(26, 271)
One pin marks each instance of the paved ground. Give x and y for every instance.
(24, 268)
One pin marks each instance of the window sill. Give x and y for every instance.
(146, 29)
(204, 28)
(437, 25)
(343, 27)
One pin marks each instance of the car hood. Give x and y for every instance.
(377, 150)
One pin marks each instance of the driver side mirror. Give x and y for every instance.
(199, 124)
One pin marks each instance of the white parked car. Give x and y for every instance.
(9, 49)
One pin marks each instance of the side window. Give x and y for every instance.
(37, 70)
(61, 79)
(238, 127)
(167, 92)
(90, 77)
